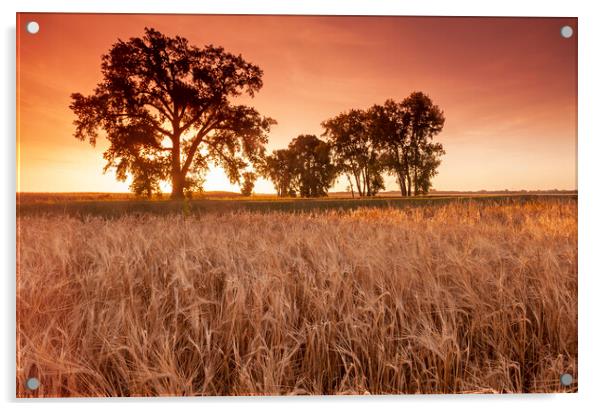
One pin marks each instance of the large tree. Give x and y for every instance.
(166, 108)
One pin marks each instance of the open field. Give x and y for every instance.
(54, 198)
(118, 204)
(428, 295)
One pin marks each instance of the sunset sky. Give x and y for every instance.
(508, 87)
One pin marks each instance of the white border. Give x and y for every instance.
(590, 205)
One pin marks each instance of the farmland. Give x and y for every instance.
(116, 204)
(441, 294)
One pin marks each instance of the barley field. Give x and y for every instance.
(457, 297)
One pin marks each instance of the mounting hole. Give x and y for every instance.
(32, 383)
(566, 32)
(32, 27)
(566, 379)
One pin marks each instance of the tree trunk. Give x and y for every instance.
(415, 181)
(363, 175)
(406, 172)
(401, 180)
(357, 183)
(350, 186)
(177, 186)
(402, 184)
(177, 177)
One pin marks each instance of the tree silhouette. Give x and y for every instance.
(248, 183)
(304, 168)
(314, 170)
(430, 159)
(355, 143)
(420, 120)
(405, 134)
(279, 167)
(165, 107)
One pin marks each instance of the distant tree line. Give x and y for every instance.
(169, 112)
(394, 138)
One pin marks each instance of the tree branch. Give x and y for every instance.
(195, 144)
(153, 123)
(193, 120)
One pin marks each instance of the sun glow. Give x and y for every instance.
(509, 100)
(217, 180)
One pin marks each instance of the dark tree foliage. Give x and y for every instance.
(430, 159)
(166, 108)
(393, 137)
(354, 140)
(304, 168)
(314, 171)
(422, 120)
(279, 167)
(248, 183)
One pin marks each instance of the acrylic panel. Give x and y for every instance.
(231, 205)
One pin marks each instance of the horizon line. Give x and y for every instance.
(274, 193)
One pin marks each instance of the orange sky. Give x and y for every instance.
(508, 87)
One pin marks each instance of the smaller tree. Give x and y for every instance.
(429, 162)
(278, 168)
(406, 132)
(354, 141)
(304, 168)
(389, 125)
(423, 120)
(377, 183)
(248, 183)
(312, 165)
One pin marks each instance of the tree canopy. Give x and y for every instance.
(406, 141)
(166, 108)
(396, 138)
(304, 168)
(248, 183)
(355, 143)
(168, 111)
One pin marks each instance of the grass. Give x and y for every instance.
(79, 204)
(454, 295)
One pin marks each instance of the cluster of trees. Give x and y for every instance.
(166, 108)
(304, 168)
(395, 138)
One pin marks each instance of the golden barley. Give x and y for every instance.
(471, 297)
